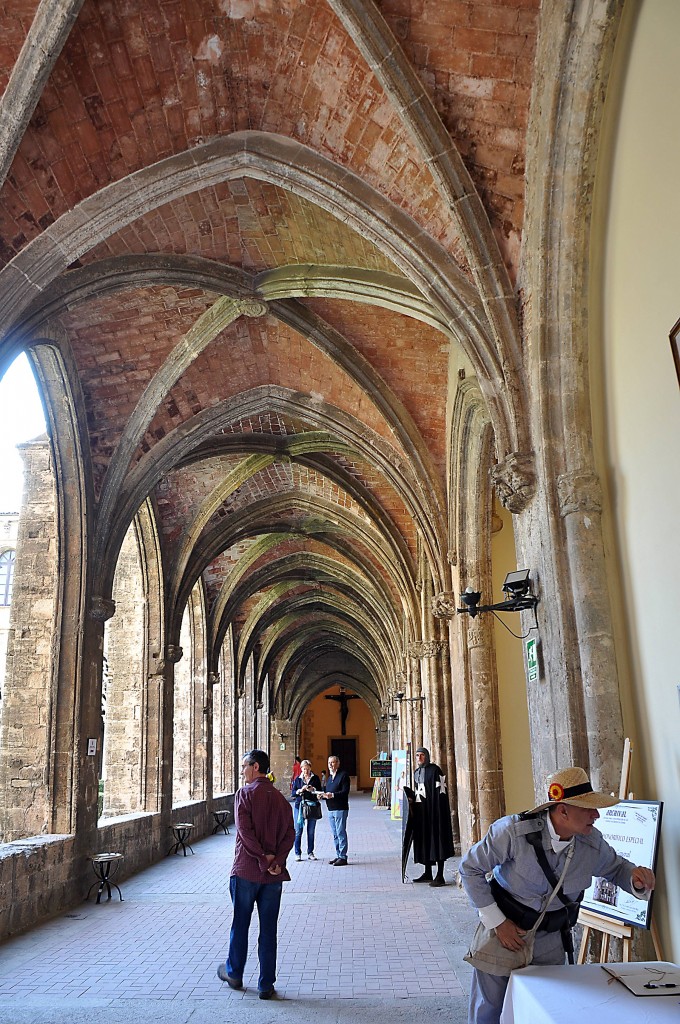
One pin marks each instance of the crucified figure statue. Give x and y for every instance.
(342, 699)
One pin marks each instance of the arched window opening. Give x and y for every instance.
(224, 780)
(121, 783)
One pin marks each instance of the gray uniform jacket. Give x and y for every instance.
(505, 852)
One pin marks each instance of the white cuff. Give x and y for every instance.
(491, 916)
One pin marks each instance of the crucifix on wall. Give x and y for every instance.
(343, 699)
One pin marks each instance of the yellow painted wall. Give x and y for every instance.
(321, 722)
(635, 301)
(512, 687)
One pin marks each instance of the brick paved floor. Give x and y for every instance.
(390, 941)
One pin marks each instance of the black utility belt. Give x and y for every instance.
(525, 917)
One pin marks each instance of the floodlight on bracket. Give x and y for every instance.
(518, 598)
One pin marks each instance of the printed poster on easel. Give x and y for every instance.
(399, 780)
(632, 827)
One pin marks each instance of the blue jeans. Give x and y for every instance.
(299, 829)
(244, 896)
(338, 823)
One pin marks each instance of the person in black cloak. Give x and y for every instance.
(432, 832)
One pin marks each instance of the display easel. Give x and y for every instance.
(609, 928)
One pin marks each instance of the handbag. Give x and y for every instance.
(311, 810)
(486, 952)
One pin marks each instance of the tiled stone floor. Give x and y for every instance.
(345, 934)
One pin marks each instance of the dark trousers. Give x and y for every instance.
(244, 896)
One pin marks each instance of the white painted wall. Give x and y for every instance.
(637, 280)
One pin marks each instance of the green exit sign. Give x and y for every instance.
(532, 660)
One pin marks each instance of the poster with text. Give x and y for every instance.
(398, 782)
(632, 828)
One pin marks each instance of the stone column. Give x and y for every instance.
(172, 655)
(282, 760)
(580, 505)
(485, 723)
(88, 767)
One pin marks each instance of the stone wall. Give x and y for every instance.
(25, 729)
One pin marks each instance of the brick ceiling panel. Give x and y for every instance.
(283, 477)
(218, 568)
(181, 493)
(249, 224)
(17, 17)
(476, 61)
(410, 356)
(140, 81)
(119, 342)
(253, 353)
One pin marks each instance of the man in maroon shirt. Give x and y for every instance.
(264, 838)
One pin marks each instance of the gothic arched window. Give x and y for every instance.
(6, 577)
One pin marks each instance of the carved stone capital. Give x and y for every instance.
(452, 556)
(213, 679)
(400, 678)
(444, 605)
(251, 307)
(579, 492)
(101, 608)
(515, 481)
(426, 648)
(173, 654)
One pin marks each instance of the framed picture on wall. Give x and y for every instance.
(675, 348)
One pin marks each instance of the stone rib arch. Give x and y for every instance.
(277, 606)
(294, 167)
(303, 566)
(295, 653)
(384, 55)
(251, 466)
(64, 408)
(178, 446)
(239, 584)
(320, 515)
(115, 273)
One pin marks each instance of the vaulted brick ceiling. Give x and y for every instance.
(308, 416)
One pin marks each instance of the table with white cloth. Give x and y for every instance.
(563, 995)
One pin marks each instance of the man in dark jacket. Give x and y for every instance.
(264, 837)
(432, 832)
(337, 795)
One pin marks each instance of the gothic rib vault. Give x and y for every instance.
(266, 259)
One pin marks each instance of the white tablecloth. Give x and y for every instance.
(581, 995)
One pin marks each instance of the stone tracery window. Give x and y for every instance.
(7, 560)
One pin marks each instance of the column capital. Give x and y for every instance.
(173, 654)
(444, 605)
(426, 648)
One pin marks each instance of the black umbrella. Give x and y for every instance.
(408, 802)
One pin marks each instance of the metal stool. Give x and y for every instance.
(181, 833)
(105, 866)
(221, 822)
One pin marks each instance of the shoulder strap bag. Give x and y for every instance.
(486, 952)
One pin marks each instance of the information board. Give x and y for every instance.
(381, 769)
(632, 827)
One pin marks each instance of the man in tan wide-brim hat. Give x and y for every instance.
(513, 871)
